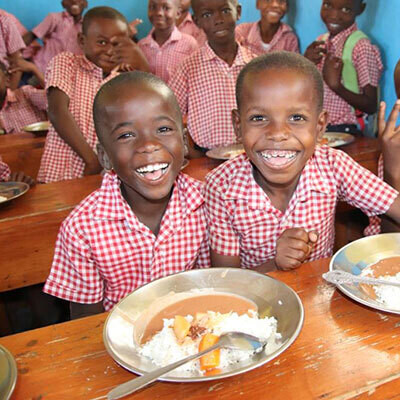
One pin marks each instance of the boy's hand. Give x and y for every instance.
(127, 52)
(332, 71)
(315, 51)
(293, 247)
(20, 64)
(389, 135)
(133, 25)
(21, 177)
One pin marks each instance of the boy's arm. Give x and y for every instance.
(27, 66)
(66, 126)
(28, 38)
(15, 77)
(79, 310)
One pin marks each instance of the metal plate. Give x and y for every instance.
(8, 373)
(12, 190)
(272, 297)
(356, 256)
(38, 128)
(336, 139)
(226, 152)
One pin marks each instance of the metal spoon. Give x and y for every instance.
(338, 277)
(231, 340)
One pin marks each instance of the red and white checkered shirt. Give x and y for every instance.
(249, 35)
(80, 80)
(59, 32)
(190, 28)
(205, 88)
(22, 107)
(10, 39)
(243, 222)
(103, 252)
(164, 60)
(4, 171)
(368, 64)
(21, 29)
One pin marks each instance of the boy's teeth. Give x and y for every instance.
(151, 168)
(278, 153)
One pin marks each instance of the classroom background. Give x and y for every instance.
(380, 22)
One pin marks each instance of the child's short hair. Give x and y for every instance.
(135, 77)
(101, 12)
(282, 60)
(194, 3)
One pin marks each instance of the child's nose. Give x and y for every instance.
(218, 18)
(278, 131)
(148, 145)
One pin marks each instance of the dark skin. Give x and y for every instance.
(397, 79)
(272, 11)
(145, 128)
(338, 15)
(184, 11)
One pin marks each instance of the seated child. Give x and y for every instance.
(6, 175)
(72, 82)
(59, 32)
(22, 106)
(11, 44)
(147, 220)
(351, 66)
(165, 47)
(186, 24)
(205, 82)
(274, 207)
(270, 33)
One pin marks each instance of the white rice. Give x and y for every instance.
(389, 295)
(164, 349)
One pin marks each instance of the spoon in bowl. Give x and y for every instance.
(231, 340)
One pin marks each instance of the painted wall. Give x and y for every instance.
(380, 21)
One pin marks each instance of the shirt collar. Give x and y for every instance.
(67, 15)
(175, 36)
(255, 33)
(338, 40)
(243, 55)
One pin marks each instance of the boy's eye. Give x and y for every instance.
(126, 135)
(226, 10)
(257, 118)
(326, 5)
(346, 10)
(102, 42)
(206, 14)
(164, 129)
(297, 118)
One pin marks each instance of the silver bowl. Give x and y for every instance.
(356, 256)
(273, 298)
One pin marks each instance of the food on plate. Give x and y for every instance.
(233, 153)
(3, 198)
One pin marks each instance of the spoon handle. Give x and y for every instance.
(338, 277)
(138, 383)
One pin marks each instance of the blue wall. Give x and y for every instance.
(380, 21)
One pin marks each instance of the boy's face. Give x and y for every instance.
(272, 11)
(279, 125)
(217, 18)
(338, 15)
(74, 7)
(163, 13)
(143, 139)
(100, 39)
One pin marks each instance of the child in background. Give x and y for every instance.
(147, 219)
(186, 24)
(22, 106)
(21, 29)
(270, 33)
(72, 82)
(351, 66)
(274, 207)
(165, 47)
(205, 82)
(59, 32)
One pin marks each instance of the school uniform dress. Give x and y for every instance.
(190, 28)
(164, 60)
(22, 107)
(80, 80)
(59, 33)
(4, 171)
(10, 39)
(103, 252)
(205, 88)
(243, 222)
(21, 29)
(249, 35)
(368, 64)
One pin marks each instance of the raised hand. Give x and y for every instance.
(315, 51)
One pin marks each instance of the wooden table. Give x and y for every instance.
(345, 350)
(22, 152)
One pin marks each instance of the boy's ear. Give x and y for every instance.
(321, 124)
(185, 143)
(236, 124)
(258, 4)
(81, 40)
(239, 12)
(362, 8)
(103, 157)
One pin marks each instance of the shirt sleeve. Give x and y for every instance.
(179, 85)
(292, 43)
(4, 171)
(36, 96)
(361, 188)
(203, 259)
(73, 275)
(223, 238)
(60, 73)
(12, 38)
(46, 27)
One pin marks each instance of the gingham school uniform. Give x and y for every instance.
(21, 29)
(368, 63)
(243, 222)
(249, 35)
(190, 28)
(204, 85)
(59, 32)
(22, 107)
(103, 251)
(10, 39)
(4, 171)
(164, 60)
(80, 80)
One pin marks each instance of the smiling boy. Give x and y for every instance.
(274, 206)
(147, 220)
